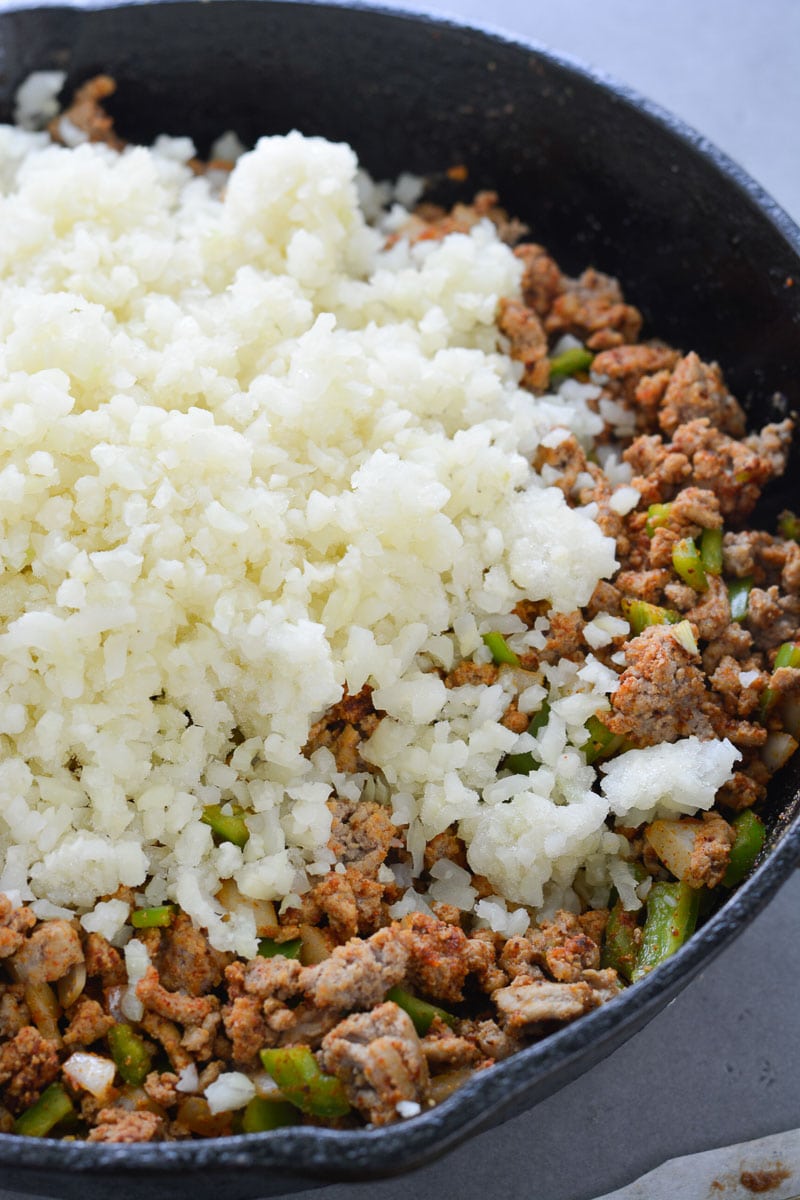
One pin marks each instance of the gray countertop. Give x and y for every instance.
(722, 1063)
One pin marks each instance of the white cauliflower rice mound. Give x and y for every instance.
(250, 457)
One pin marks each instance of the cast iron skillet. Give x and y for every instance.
(602, 177)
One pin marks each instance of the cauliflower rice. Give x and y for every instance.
(251, 457)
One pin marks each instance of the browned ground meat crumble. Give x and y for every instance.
(208, 1012)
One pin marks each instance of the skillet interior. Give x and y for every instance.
(602, 178)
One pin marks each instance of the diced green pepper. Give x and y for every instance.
(621, 944)
(739, 597)
(640, 614)
(672, 910)
(227, 827)
(523, 764)
(520, 764)
(745, 850)
(657, 515)
(688, 564)
(602, 742)
(269, 948)
(711, 551)
(261, 1115)
(130, 1053)
(570, 362)
(421, 1012)
(303, 1084)
(789, 526)
(500, 651)
(788, 656)
(53, 1105)
(153, 918)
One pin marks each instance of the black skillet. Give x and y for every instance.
(602, 177)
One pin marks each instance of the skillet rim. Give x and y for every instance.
(335, 1155)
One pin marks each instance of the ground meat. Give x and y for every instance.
(739, 700)
(446, 845)
(442, 956)
(167, 1033)
(361, 834)
(736, 642)
(604, 599)
(592, 308)
(88, 1023)
(696, 389)
(352, 903)
(444, 1049)
(747, 787)
(712, 615)
(359, 974)
(279, 978)
(431, 222)
(122, 1125)
(712, 852)
(531, 1002)
(199, 1039)
(605, 984)
(771, 617)
(700, 454)
(528, 342)
(245, 1026)
(565, 465)
(378, 1058)
(523, 956)
(769, 560)
(161, 1088)
(541, 277)
(473, 674)
(644, 585)
(186, 962)
(344, 728)
(568, 949)
(661, 695)
(493, 1042)
(658, 469)
(304, 1025)
(173, 1006)
(626, 366)
(14, 924)
(14, 1012)
(104, 961)
(87, 115)
(27, 1065)
(515, 720)
(565, 638)
(48, 953)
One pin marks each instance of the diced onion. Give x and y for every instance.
(229, 1091)
(791, 716)
(777, 750)
(683, 634)
(72, 984)
(674, 842)
(188, 1080)
(91, 1072)
(315, 948)
(44, 1009)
